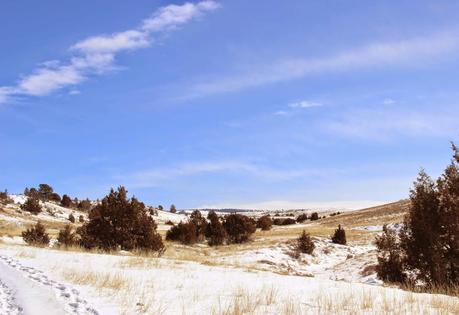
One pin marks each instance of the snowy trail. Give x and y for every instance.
(8, 304)
(27, 291)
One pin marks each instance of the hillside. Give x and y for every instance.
(259, 277)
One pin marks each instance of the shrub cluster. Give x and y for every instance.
(44, 192)
(36, 235)
(4, 198)
(314, 216)
(391, 259)
(67, 237)
(285, 221)
(301, 218)
(119, 222)
(265, 223)
(304, 244)
(32, 205)
(339, 237)
(66, 201)
(239, 228)
(215, 231)
(234, 228)
(427, 248)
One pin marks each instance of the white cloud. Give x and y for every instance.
(5, 93)
(74, 92)
(154, 177)
(304, 104)
(388, 101)
(172, 16)
(127, 40)
(383, 124)
(96, 54)
(377, 54)
(47, 80)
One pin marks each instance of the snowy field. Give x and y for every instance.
(87, 283)
(264, 276)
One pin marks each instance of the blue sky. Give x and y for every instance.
(229, 103)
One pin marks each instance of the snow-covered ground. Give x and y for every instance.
(133, 285)
(26, 290)
(13, 215)
(329, 261)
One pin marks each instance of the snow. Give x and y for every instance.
(8, 305)
(36, 293)
(51, 212)
(12, 240)
(377, 228)
(164, 216)
(328, 261)
(163, 286)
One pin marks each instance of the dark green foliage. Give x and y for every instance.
(71, 218)
(301, 218)
(173, 209)
(265, 223)
(67, 237)
(304, 244)
(66, 201)
(427, 249)
(4, 197)
(200, 224)
(286, 221)
(215, 232)
(84, 205)
(45, 191)
(32, 193)
(339, 237)
(32, 205)
(160, 207)
(36, 235)
(54, 197)
(119, 222)
(81, 219)
(391, 259)
(184, 233)
(239, 228)
(314, 216)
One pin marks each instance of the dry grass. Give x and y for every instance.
(379, 301)
(244, 302)
(102, 280)
(25, 254)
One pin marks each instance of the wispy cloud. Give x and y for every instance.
(383, 124)
(376, 54)
(154, 177)
(304, 104)
(298, 105)
(281, 113)
(96, 54)
(388, 101)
